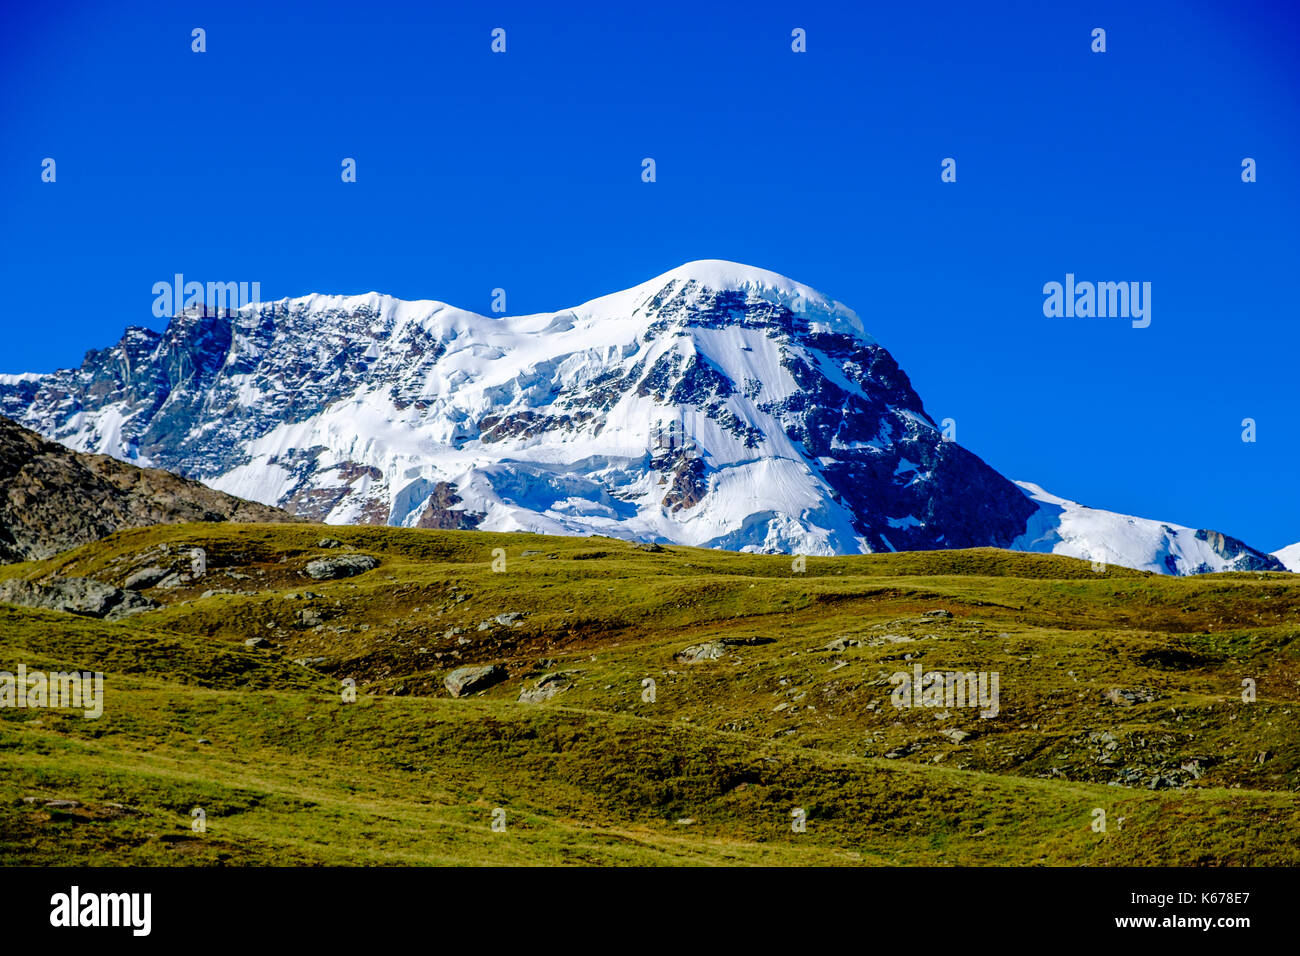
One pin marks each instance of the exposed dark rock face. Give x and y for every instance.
(1247, 558)
(52, 498)
(526, 424)
(439, 511)
(171, 388)
(320, 488)
(689, 485)
(907, 488)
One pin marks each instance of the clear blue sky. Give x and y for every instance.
(523, 171)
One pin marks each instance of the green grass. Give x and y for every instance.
(407, 775)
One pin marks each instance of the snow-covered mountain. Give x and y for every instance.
(716, 405)
(1289, 556)
(1066, 527)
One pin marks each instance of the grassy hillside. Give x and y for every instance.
(1118, 691)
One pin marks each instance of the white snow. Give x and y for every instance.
(830, 315)
(1066, 527)
(579, 480)
(1290, 556)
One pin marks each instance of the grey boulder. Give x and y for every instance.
(547, 686)
(467, 680)
(343, 566)
(712, 650)
(84, 596)
(145, 578)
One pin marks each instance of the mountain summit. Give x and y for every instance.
(717, 405)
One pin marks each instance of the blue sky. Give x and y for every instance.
(522, 171)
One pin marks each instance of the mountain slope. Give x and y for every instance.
(1066, 527)
(1289, 556)
(1118, 690)
(52, 499)
(715, 405)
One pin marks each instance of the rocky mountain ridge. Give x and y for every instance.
(52, 498)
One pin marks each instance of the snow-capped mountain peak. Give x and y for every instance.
(716, 404)
(717, 275)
